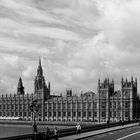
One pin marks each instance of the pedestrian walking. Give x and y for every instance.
(107, 123)
(120, 122)
(48, 134)
(55, 133)
(35, 128)
(78, 128)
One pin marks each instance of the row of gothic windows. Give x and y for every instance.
(71, 113)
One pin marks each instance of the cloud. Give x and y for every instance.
(79, 41)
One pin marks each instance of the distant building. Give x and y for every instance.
(107, 104)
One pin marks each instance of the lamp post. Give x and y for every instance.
(34, 107)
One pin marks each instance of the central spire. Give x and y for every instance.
(39, 61)
(39, 70)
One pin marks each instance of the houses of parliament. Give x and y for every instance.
(105, 105)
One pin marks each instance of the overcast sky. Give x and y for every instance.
(78, 40)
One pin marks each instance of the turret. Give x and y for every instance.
(108, 81)
(113, 83)
(131, 78)
(98, 83)
(69, 92)
(49, 86)
(122, 81)
(129, 84)
(136, 81)
(106, 85)
(20, 88)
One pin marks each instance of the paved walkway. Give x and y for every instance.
(96, 132)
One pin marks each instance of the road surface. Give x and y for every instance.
(132, 133)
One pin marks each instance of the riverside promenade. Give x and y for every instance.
(97, 132)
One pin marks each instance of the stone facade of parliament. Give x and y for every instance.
(107, 104)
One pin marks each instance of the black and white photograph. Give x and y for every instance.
(69, 69)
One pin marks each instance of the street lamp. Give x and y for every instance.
(34, 107)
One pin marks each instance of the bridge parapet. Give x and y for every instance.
(65, 132)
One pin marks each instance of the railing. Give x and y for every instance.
(72, 131)
(64, 132)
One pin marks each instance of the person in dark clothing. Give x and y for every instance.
(107, 123)
(120, 122)
(48, 134)
(35, 128)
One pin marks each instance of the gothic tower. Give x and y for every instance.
(20, 88)
(41, 90)
(129, 99)
(105, 90)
